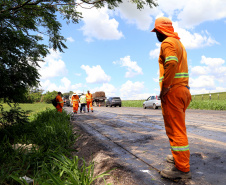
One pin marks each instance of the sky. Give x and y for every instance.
(114, 50)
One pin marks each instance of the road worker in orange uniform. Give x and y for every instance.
(89, 100)
(60, 102)
(175, 96)
(75, 102)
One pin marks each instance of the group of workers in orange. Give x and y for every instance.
(75, 100)
(87, 100)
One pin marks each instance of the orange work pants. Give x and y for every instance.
(173, 110)
(75, 107)
(59, 108)
(89, 104)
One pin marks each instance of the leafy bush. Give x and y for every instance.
(48, 96)
(15, 115)
(49, 160)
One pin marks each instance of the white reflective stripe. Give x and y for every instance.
(180, 148)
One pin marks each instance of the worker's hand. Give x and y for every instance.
(164, 91)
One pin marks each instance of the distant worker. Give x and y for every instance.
(75, 102)
(175, 96)
(89, 100)
(60, 102)
(83, 102)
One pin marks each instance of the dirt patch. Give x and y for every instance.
(91, 150)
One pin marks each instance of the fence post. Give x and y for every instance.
(218, 96)
(202, 97)
(210, 96)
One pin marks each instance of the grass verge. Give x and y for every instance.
(195, 104)
(41, 150)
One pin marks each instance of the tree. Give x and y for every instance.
(21, 22)
(48, 96)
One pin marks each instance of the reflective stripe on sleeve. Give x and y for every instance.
(180, 148)
(181, 75)
(177, 75)
(60, 102)
(171, 58)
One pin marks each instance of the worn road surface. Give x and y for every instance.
(137, 137)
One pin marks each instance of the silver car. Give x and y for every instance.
(152, 101)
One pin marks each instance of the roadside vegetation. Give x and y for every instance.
(213, 101)
(40, 148)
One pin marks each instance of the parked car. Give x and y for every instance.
(66, 101)
(113, 101)
(152, 101)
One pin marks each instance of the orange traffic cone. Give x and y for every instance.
(99, 104)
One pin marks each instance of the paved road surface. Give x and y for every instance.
(137, 137)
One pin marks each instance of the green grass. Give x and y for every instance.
(52, 162)
(208, 104)
(34, 107)
(132, 103)
(214, 96)
(195, 104)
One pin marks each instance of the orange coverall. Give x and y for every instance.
(89, 100)
(60, 103)
(174, 75)
(75, 100)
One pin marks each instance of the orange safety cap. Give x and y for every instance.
(165, 26)
(163, 22)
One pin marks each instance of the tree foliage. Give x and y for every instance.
(48, 96)
(22, 22)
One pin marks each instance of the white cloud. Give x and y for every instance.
(132, 67)
(196, 12)
(109, 89)
(98, 24)
(198, 70)
(188, 39)
(194, 40)
(199, 91)
(155, 53)
(202, 82)
(207, 78)
(65, 86)
(48, 86)
(70, 39)
(141, 18)
(53, 66)
(130, 90)
(212, 62)
(213, 67)
(95, 74)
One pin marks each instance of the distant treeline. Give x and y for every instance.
(37, 95)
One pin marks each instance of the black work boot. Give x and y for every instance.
(174, 173)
